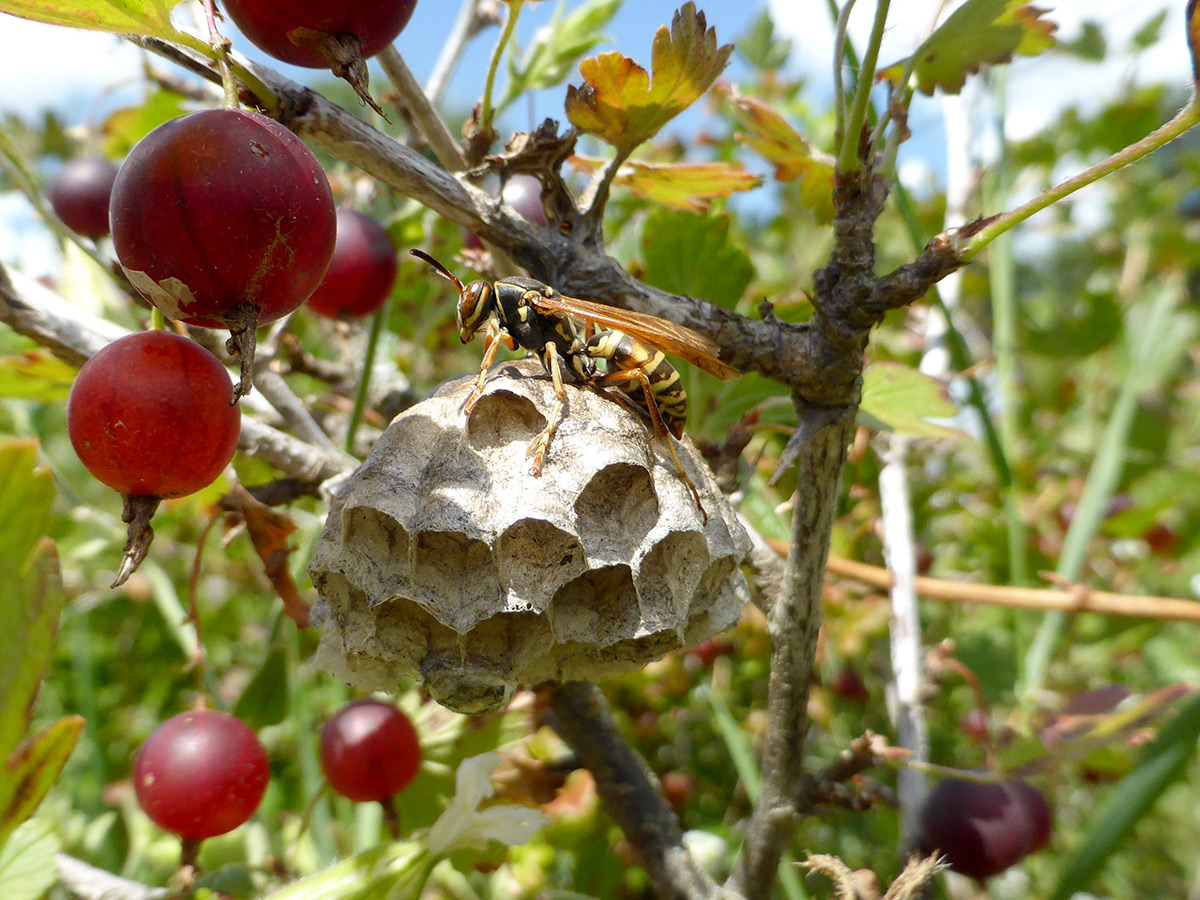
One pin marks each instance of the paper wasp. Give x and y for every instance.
(523, 312)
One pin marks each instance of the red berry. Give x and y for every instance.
(369, 750)
(982, 829)
(848, 685)
(201, 774)
(524, 194)
(150, 415)
(284, 29)
(79, 195)
(362, 270)
(222, 208)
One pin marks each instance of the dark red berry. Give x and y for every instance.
(369, 750)
(983, 828)
(223, 218)
(79, 195)
(150, 415)
(362, 271)
(848, 685)
(289, 31)
(201, 774)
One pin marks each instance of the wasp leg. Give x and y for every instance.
(495, 337)
(539, 445)
(660, 428)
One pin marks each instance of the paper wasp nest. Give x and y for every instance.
(443, 559)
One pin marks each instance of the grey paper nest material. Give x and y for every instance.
(442, 558)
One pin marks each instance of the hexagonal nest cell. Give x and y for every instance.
(444, 559)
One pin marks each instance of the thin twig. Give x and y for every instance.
(468, 24)
(419, 106)
(581, 717)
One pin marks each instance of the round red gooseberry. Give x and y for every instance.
(369, 750)
(200, 774)
(362, 271)
(219, 210)
(150, 415)
(984, 828)
(284, 30)
(79, 195)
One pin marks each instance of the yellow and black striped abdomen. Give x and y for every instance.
(624, 354)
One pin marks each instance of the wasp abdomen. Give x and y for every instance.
(625, 354)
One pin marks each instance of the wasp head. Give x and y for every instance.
(474, 305)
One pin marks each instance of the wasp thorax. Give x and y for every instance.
(443, 559)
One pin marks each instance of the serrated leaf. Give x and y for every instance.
(146, 17)
(979, 33)
(27, 867)
(693, 255)
(557, 47)
(30, 587)
(779, 144)
(683, 186)
(31, 771)
(759, 46)
(623, 105)
(266, 699)
(35, 375)
(901, 399)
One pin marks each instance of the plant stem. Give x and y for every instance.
(1188, 117)
(364, 379)
(848, 159)
(510, 23)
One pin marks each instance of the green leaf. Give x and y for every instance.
(759, 47)
(558, 47)
(1162, 763)
(979, 33)
(685, 186)
(693, 255)
(898, 398)
(35, 375)
(779, 144)
(30, 772)
(27, 867)
(267, 697)
(129, 124)
(1148, 35)
(145, 17)
(623, 105)
(30, 587)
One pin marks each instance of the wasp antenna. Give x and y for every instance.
(438, 268)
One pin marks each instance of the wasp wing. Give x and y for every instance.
(675, 340)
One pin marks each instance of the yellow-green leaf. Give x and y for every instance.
(686, 186)
(624, 105)
(898, 398)
(779, 144)
(146, 17)
(35, 375)
(30, 772)
(979, 33)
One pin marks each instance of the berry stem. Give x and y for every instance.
(158, 322)
(221, 45)
(391, 817)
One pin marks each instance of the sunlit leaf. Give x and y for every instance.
(32, 770)
(35, 375)
(779, 144)
(694, 255)
(979, 33)
(898, 398)
(686, 186)
(30, 589)
(146, 17)
(129, 124)
(624, 105)
(27, 867)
